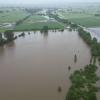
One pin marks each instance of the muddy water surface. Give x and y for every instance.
(34, 66)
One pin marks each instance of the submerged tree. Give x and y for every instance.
(22, 34)
(45, 29)
(99, 59)
(0, 36)
(9, 35)
(69, 67)
(91, 60)
(59, 89)
(1, 40)
(75, 58)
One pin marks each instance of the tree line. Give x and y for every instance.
(22, 20)
(6, 37)
(92, 42)
(61, 20)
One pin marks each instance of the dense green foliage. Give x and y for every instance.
(2, 41)
(95, 46)
(45, 29)
(83, 84)
(9, 35)
(6, 37)
(22, 34)
(65, 21)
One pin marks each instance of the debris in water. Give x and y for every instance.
(69, 68)
(75, 58)
(29, 33)
(59, 89)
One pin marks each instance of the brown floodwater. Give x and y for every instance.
(34, 66)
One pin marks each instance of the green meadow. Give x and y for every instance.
(34, 22)
(84, 19)
(37, 22)
(12, 16)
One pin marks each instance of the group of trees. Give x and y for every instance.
(85, 35)
(22, 34)
(1, 11)
(98, 15)
(9, 35)
(32, 11)
(73, 25)
(64, 21)
(6, 37)
(55, 16)
(95, 46)
(83, 84)
(2, 41)
(45, 29)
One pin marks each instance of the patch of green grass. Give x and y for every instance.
(85, 19)
(37, 22)
(70, 15)
(34, 22)
(39, 26)
(2, 30)
(35, 18)
(12, 16)
(87, 22)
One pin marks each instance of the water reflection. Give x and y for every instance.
(2, 50)
(11, 44)
(45, 35)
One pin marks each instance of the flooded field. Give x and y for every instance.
(34, 66)
(95, 32)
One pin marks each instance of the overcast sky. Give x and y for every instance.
(42, 1)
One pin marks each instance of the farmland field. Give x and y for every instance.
(35, 18)
(8, 18)
(39, 26)
(36, 22)
(84, 19)
(12, 16)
